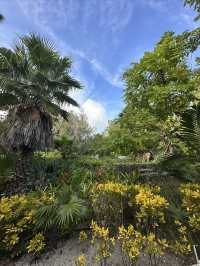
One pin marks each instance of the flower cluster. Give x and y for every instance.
(104, 243)
(36, 244)
(151, 205)
(130, 242)
(82, 236)
(154, 245)
(108, 200)
(18, 219)
(112, 187)
(191, 203)
(80, 260)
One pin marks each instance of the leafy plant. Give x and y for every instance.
(35, 84)
(65, 211)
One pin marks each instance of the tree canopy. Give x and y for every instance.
(159, 89)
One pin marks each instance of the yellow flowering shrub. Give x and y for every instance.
(130, 242)
(182, 243)
(18, 220)
(102, 241)
(80, 260)
(36, 244)
(151, 207)
(191, 203)
(109, 200)
(154, 245)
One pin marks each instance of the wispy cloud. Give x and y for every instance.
(43, 10)
(170, 9)
(114, 80)
(115, 14)
(111, 15)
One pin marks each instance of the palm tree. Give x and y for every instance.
(34, 86)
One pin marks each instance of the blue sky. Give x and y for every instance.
(101, 36)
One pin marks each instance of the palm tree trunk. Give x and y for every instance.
(21, 182)
(23, 168)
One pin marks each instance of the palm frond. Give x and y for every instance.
(66, 210)
(55, 109)
(70, 212)
(190, 131)
(41, 51)
(46, 216)
(63, 98)
(34, 69)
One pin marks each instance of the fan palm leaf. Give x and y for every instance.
(35, 76)
(67, 209)
(191, 129)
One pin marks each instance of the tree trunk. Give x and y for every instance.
(29, 129)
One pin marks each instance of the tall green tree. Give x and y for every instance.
(35, 83)
(159, 88)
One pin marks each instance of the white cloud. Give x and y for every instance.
(96, 114)
(115, 15)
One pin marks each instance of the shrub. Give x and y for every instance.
(131, 242)
(36, 244)
(18, 221)
(150, 207)
(103, 243)
(25, 218)
(63, 212)
(109, 201)
(191, 203)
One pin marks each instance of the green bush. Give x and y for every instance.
(24, 219)
(63, 212)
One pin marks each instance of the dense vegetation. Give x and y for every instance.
(135, 186)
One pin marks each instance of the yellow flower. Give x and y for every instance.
(101, 238)
(155, 245)
(36, 244)
(150, 204)
(130, 241)
(81, 260)
(82, 236)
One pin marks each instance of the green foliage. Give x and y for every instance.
(190, 131)
(66, 210)
(45, 168)
(18, 222)
(195, 4)
(159, 90)
(73, 136)
(7, 162)
(31, 66)
(186, 165)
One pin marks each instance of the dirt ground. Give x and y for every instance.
(67, 251)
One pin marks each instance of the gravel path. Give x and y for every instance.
(66, 252)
